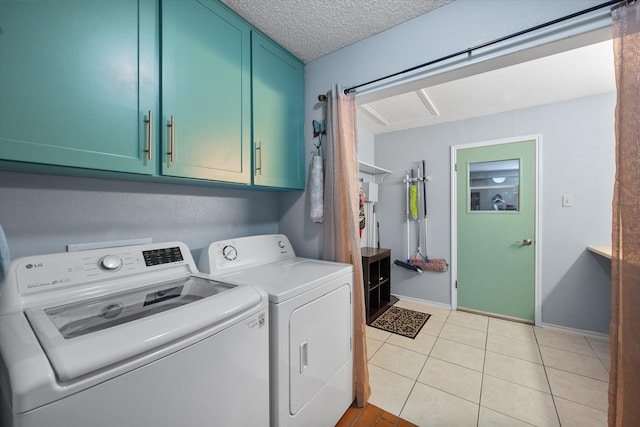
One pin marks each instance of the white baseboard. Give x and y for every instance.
(426, 302)
(564, 329)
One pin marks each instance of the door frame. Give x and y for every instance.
(537, 223)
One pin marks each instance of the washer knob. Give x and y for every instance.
(110, 263)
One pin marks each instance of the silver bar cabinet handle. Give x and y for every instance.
(149, 122)
(259, 158)
(172, 139)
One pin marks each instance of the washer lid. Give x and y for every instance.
(286, 279)
(85, 317)
(85, 336)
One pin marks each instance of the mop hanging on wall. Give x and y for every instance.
(418, 261)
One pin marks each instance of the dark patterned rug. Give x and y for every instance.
(401, 321)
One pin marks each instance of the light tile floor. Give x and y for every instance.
(469, 370)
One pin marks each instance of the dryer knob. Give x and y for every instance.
(229, 253)
(110, 263)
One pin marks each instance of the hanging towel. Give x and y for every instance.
(317, 189)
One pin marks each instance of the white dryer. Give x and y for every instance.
(310, 325)
(130, 336)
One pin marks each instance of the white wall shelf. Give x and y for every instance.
(373, 170)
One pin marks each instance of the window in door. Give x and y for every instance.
(494, 186)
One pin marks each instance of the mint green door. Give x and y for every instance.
(278, 116)
(206, 92)
(76, 82)
(496, 194)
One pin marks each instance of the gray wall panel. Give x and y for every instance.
(43, 213)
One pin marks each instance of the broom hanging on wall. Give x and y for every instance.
(419, 259)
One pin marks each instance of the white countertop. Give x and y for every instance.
(604, 251)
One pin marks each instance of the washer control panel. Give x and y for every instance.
(49, 272)
(162, 256)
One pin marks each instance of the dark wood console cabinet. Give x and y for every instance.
(376, 270)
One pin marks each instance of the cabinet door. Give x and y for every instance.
(206, 90)
(77, 79)
(278, 116)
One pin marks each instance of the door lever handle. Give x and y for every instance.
(526, 242)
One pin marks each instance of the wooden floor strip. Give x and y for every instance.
(371, 416)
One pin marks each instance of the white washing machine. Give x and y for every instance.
(130, 336)
(310, 323)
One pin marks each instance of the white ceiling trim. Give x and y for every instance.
(401, 109)
(422, 93)
(375, 114)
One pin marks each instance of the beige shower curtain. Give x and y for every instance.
(341, 240)
(624, 379)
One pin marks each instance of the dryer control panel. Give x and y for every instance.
(228, 256)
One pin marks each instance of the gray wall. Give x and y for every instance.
(578, 158)
(366, 145)
(294, 208)
(451, 28)
(44, 213)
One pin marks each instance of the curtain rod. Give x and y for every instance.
(487, 44)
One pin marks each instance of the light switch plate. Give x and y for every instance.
(567, 200)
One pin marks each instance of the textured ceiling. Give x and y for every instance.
(312, 28)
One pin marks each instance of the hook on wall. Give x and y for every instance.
(318, 131)
(318, 128)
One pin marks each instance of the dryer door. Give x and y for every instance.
(319, 344)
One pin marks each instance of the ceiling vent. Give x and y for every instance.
(403, 108)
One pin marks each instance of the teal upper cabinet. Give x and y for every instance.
(206, 92)
(77, 80)
(278, 116)
(157, 87)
